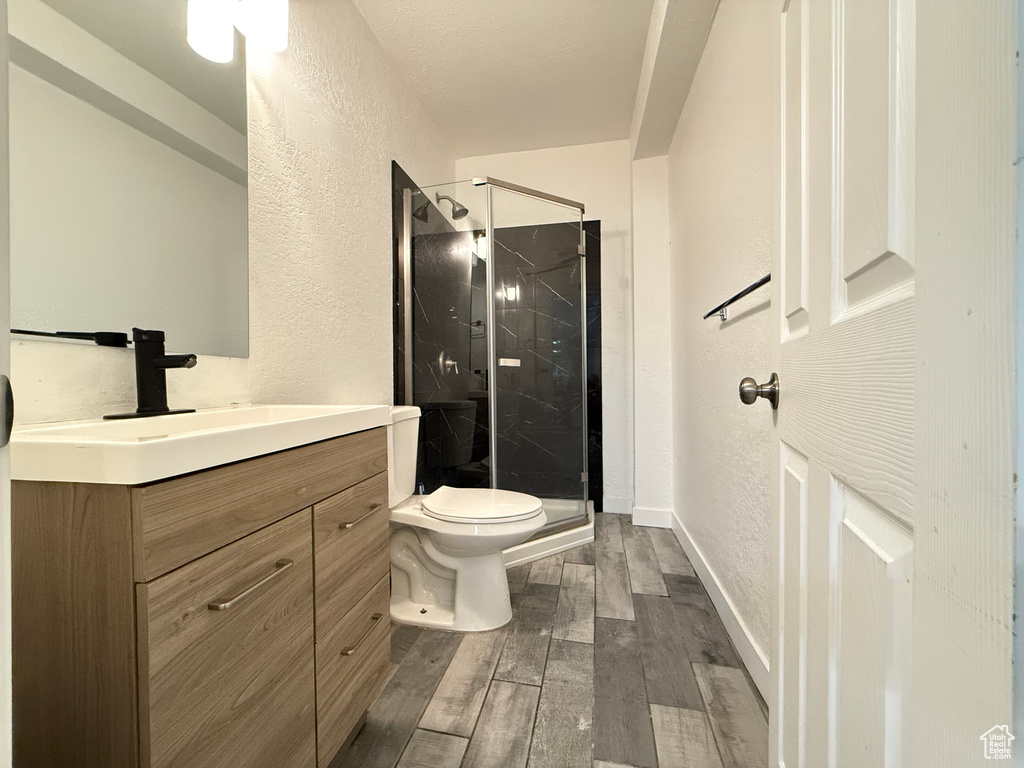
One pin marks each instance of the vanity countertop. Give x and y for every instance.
(138, 451)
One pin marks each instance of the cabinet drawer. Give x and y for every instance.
(351, 663)
(233, 686)
(175, 521)
(350, 536)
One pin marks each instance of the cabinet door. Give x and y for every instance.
(226, 655)
(350, 532)
(351, 663)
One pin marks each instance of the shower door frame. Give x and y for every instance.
(492, 183)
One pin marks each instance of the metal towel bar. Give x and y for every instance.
(722, 309)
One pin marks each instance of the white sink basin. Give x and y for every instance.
(136, 451)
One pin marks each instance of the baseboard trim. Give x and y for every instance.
(652, 518)
(753, 656)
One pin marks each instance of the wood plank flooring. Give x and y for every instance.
(615, 658)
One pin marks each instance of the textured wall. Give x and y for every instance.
(597, 175)
(325, 120)
(652, 333)
(720, 203)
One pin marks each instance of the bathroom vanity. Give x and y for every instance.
(234, 615)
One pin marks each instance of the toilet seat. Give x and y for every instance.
(480, 505)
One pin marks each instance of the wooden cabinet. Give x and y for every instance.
(173, 624)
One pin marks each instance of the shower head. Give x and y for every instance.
(458, 209)
(423, 212)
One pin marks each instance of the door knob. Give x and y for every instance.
(7, 406)
(750, 390)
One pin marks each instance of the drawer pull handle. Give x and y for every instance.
(358, 520)
(373, 625)
(229, 602)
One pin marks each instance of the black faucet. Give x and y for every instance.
(151, 366)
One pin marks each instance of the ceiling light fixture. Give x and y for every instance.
(211, 29)
(212, 23)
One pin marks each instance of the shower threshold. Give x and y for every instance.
(563, 514)
(570, 524)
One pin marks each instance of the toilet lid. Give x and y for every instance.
(480, 505)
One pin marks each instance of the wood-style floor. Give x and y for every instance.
(615, 658)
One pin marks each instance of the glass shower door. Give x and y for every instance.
(538, 351)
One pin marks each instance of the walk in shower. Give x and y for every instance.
(490, 332)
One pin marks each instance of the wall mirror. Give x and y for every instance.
(128, 175)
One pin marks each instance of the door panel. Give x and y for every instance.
(845, 423)
(849, 401)
(874, 622)
(793, 610)
(875, 129)
(793, 270)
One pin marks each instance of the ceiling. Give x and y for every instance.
(509, 75)
(152, 34)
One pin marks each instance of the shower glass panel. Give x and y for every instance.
(496, 325)
(448, 299)
(538, 345)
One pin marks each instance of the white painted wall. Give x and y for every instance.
(652, 346)
(720, 221)
(598, 175)
(325, 120)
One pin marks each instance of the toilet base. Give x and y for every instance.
(472, 597)
(405, 611)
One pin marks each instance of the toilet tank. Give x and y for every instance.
(403, 440)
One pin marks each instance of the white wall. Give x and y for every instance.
(720, 218)
(653, 415)
(598, 175)
(325, 120)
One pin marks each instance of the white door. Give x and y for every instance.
(844, 288)
(5, 474)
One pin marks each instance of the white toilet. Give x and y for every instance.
(447, 567)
